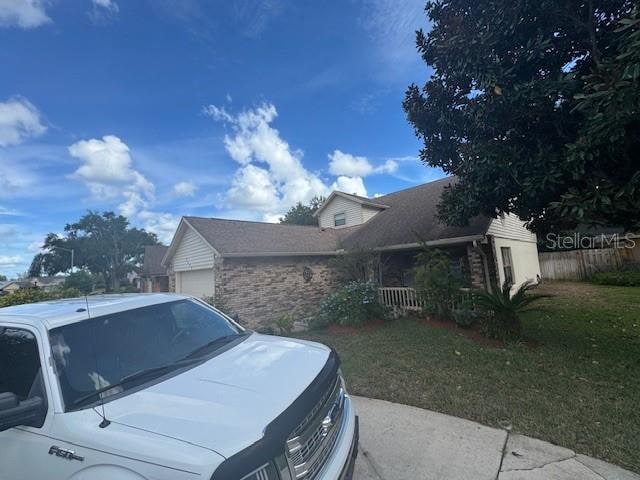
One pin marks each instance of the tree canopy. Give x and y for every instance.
(301, 214)
(104, 244)
(535, 107)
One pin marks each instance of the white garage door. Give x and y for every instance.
(198, 283)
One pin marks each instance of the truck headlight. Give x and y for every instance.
(265, 472)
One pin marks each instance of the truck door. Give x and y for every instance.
(26, 450)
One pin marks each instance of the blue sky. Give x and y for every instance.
(162, 108)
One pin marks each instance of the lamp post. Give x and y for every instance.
(66, 250)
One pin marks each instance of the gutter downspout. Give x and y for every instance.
(485, 265)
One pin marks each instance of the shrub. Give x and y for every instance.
(285, 324)
(357, 265)
(353, 304)
(620, 278)
(33, 295)
(503, 310)
(437, 285)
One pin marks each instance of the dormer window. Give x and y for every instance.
(339, 219)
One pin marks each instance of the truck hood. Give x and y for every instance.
(225, 403)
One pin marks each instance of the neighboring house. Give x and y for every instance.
(47, 283)
(263, 270)
(154, 276)
(7, 288)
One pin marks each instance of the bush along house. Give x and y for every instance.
(261, 271)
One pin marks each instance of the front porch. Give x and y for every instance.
(473, 263)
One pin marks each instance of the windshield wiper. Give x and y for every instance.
(218, 342)
(139, 375)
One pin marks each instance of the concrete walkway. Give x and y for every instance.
(398, 442)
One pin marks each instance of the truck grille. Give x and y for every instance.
(311, 443)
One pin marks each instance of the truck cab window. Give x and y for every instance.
(19, 363)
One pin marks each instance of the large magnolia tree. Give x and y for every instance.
(535, 107)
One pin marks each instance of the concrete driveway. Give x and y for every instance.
(399, 442)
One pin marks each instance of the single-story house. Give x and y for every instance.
(154, 277)
(11, 286)
(264, 270)
(48, 283)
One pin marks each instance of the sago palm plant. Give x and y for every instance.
(503, 309)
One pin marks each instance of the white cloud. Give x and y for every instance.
(184, 189)
(391, 26)
(253, 188)
(354, 185)
(108, 172)
(23, 13)
(271, 176)
(103, 10)
(10, 260)
(19, 120)
(341, 163)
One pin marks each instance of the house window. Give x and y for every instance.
(339, 219)
(507, 264)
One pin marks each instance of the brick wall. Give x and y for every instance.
(260, 290)
(476, 267)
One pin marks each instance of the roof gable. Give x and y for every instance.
(348, 196)
(411, 219)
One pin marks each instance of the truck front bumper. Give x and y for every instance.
(341, 464)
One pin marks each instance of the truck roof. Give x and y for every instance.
(55, 313)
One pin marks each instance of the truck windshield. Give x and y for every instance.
(126, 349)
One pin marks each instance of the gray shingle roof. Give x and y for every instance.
(411, 218)
(242, 237)
(152, 263)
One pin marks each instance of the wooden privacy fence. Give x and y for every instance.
(577, 264)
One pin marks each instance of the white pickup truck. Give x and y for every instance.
(164, 387)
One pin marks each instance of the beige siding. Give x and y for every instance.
(524, 255)
(510, 226)
(368, 213)
(351, 209)
(192, 253)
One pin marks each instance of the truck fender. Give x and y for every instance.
(106, 472)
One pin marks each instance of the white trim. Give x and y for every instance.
(177, 237)
(281, 254)
(432, 243)
(336, 193)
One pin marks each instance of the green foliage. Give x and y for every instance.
(437, 285)
(503, 309)
(535, 107)
(285, 324)
(620, 278)
(33, 295)
(3, 278)
(358, 265)
(80, 280)
(464, 313)
(104, 244)
(301, 214)
(353, 304)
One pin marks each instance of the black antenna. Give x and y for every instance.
(104, 423)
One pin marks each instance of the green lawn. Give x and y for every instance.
(579, 387)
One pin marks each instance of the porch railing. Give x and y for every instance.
(404, 298)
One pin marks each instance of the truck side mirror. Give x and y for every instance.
(13, 413)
